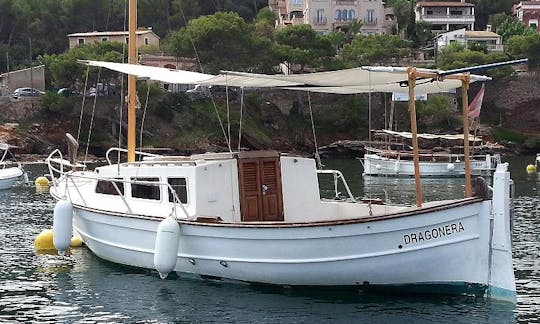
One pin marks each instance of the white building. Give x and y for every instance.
(446, 15)
(491, 40)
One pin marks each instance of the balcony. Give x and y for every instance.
(369, 22)
(444, 18)
(346, 2)
(319, 21)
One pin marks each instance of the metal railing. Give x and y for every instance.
(338, 176)
(70, 177)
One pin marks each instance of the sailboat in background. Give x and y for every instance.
(395, 159)
(258, 217)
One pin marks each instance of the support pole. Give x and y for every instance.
(411, 72)
(132, 89)
(465, 80)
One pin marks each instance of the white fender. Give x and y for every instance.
(166, 246)
(62, 225)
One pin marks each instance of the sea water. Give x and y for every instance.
(80, 287)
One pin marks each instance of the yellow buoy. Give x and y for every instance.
(531, 168)
(76, 242)
(41, 181)
(44, 241)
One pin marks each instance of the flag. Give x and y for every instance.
(476, 103)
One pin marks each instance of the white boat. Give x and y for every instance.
(257, 217)
(399, 163)
(8, 175)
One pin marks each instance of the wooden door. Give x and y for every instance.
(260, 189)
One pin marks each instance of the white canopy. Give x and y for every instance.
(430, 136)
(348, 81)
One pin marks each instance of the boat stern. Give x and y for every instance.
(502, 284)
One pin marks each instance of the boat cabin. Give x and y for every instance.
(260, 186)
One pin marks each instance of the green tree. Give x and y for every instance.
(375, 49)
(300, 44)
(65, 71)
(222, 41)
(457, 56)
(402, 12)
(525, 46)
(511, 26)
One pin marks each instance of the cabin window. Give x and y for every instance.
(80, 41)
(145, 191)
(107, 187)
(180, 186)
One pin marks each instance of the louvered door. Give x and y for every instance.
(260, 189)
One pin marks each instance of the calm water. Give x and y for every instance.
(82, 288)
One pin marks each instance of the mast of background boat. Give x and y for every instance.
(411, 71)
(132, 79)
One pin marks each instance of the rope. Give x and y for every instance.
(144, 115)
(83, 100)
(241, 115)
(317, 156)
(92, 118)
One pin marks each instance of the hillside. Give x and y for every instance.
(272, 120)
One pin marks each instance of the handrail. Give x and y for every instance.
(338, 175)
(126, 151)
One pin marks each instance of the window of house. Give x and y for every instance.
(344, 14)
(146, 41)
(146, 191)
(180, 186)
(429, 12)
(104, 39)
(297, 2)
(370, 15)
(127, 40)
(80, 41)
(338, 15)
(352, 14)
(109, 187)
(456, 12)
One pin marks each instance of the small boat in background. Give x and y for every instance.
(396, 159)
(8, 175)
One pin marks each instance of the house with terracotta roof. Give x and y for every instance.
(445, 16)
(145, 37)
(528, 12)
(329, 15)
(492, 41)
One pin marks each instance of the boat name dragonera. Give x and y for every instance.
(430, 234)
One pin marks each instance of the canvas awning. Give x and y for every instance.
(348, 81)
(472, 138)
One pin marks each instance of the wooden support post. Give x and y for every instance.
(411, 72)
(465, 80)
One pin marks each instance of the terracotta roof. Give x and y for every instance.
(481, 33)
(444, 4)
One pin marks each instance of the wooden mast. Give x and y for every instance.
(132, 90)
(465, 80)
(411, 72)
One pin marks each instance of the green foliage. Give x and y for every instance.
(165, 104)
(502, 134)
(65, 71)
(375, 49)
(436, 112)
(224, 33)
(456, 56)
(345, 113)
(300, 44)
(54, 104)
(508, 26)
(401, 10)
(525, 46)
